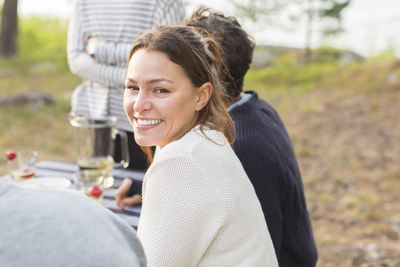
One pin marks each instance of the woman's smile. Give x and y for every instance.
(147, 123)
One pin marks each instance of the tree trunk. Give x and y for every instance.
(9, 29)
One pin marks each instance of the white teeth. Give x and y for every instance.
(148, 122)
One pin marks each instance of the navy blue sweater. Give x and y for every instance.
(265, 150)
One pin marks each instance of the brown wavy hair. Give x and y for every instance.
(199, 55)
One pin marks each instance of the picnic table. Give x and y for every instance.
(60, 169)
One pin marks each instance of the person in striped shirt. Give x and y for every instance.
(100, 36)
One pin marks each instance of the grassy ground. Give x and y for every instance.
(342, 120)
(45, 127)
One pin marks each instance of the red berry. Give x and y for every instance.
(28, 173)
(10, 154)
(95, 191)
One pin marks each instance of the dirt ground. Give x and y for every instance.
(349, 154)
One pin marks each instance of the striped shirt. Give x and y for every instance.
(116, 24)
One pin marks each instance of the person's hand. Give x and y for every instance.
(121, 196)
(91, 45)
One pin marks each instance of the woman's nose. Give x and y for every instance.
(142, 102)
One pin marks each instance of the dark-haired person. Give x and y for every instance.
(199, 207)
(263, 146)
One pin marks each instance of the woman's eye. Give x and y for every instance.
(161, 90)
(133, 88)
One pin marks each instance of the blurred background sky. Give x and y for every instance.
(371, 25)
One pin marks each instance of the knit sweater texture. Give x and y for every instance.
(200, 209)
(265, 150)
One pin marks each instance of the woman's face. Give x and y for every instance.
(160, 100)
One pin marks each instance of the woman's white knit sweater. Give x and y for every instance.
(200, 209)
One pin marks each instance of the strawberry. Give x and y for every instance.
(10, 155)
(95, 191)
(27, 173)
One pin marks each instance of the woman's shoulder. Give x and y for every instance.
(194, 154)
(201, 154)
(203, 158)
(182, 164)
(198, 140)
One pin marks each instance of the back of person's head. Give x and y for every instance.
(236, 44)
(200, 57)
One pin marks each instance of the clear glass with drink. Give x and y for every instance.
(21, 164)
(94, 144)
(99, 164)
(90, 183)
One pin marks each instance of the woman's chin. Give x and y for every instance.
(144, 142)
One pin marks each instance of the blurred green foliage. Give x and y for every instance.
(41, 63)
(327, 54)
(43, 40)
(40, 40)
(330, 68)
(285, 77)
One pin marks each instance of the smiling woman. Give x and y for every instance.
(160, 100)
(171, 87)
(199, 207)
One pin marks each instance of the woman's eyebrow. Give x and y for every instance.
(160, 80)
(151, 81)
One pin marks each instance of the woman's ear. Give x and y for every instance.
(203, 95)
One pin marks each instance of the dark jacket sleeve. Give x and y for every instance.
(136, 188)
